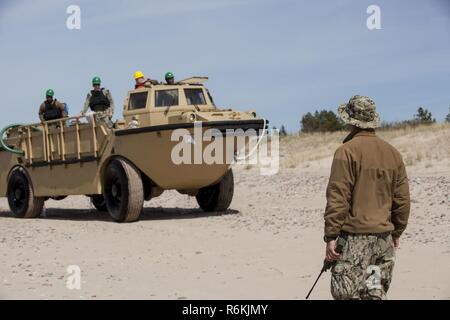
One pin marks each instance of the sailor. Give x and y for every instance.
(100, 100)
(368, 205)
(51, 109)
(170, 78)
(141, 81)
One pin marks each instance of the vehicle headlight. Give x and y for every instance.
(192, 117)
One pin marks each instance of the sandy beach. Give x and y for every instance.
(268, 246)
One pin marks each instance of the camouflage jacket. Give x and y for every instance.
(368, 190)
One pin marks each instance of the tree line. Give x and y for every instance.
(329, 121)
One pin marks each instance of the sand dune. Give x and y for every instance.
(268, 246)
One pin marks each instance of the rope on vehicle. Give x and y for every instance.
(256, 146)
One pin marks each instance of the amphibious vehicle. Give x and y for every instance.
(155, 147)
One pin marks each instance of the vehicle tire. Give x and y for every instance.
(98, 201)
(217, 197)
(123, 191)
(21, 199)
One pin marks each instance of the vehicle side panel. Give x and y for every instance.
(67, 179)
(151, 153)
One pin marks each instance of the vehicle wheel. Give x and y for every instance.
(217, 197)
(98, 201)
(21, 199)
(123, 191)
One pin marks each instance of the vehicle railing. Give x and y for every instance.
(51, 128)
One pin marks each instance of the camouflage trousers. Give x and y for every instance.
(103, 118)
(364, 270)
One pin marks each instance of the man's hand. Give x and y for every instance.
(331, 254)
(396, 242)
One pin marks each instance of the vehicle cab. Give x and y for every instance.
(186, 101)
(162, 104)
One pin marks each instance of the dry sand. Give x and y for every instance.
(268, 246)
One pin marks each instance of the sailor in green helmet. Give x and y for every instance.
(51, 109)
(170, 79)
(100, 100)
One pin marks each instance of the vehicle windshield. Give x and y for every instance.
(195, 96)
(166, 98)
(138, 100)
(210, 97)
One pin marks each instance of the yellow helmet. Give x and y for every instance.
(138, 74)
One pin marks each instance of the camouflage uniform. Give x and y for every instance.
(101, 117)
(364, 270)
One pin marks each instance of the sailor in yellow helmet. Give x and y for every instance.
(141, 81)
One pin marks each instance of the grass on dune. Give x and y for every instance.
(424, 144)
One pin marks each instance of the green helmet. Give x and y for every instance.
(50, 93)
(169, 75)
(96, 81)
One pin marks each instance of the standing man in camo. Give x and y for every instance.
(367, 204)
(100, 100)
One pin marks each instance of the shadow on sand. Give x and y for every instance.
(147, 214)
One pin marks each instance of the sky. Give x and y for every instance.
(282, 58)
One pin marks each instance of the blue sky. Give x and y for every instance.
(282, 58)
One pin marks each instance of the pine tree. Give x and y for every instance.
(323, 121)
(424, 116)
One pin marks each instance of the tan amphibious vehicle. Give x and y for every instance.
(159, 145)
